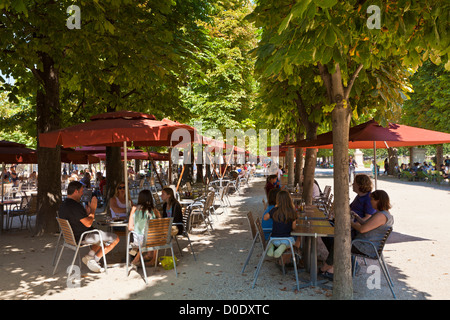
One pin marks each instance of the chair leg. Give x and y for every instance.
(295, 266)
(249, 253)
(143, 264)
(192, 248)
(59, 257)
(387, 275)
(73, 260)
(258, 268)
(174, 262)
(103, 252)
(387, 271)
(127, 253)
(178, 245)
(56, 249)
(354, 265)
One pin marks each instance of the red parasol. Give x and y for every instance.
(12, 152)
(114, 129)
(110, 129)
(371, 135)
(365, 135)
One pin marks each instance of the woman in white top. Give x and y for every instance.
(117, 204)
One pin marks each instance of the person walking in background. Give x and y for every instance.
(352, 165)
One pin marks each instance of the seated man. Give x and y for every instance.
(81, 220)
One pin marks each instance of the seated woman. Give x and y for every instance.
(372, 229)
(375, 228)
(268, 224)
(284, 220)
(117, 204)
(139, 216)
(172, 208)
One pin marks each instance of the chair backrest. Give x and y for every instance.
(326, 192)
(328, 204)
(32, 205)
(251, 222)
(383, 242)
(209, 201)
(158, 233)
(260, 231)
(223, 192)
(67, 232)
(156, 199)
(24, 201)
(186, 219)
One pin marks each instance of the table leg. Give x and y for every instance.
(313, 269)
(306, 251)
(312, 265)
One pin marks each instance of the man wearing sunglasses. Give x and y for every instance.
(81, 220)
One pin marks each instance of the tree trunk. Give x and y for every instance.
(48, 112)
(342, 282)
(311, 154)
(291, 174)
(393, 160)
(439, 156)
(114, 170)
(308, 179)
(299, 161)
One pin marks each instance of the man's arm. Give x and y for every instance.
(90, 211)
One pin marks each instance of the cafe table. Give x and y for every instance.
(296, 197)
(311, 230)
(2, 209)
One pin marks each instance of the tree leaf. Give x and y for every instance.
(284, 24)
(330, 37)
(299, 8)
(325, 3)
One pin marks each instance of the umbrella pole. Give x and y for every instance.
(375, 163)
(170, 165)
(125, 173)
(181, 176)
(157, 174)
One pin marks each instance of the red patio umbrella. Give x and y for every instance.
(131, 154)
(113, 129)
(371, 135)
(70, 155)
(158, 156)
(13, 152)
(365, 135)
(110, 129)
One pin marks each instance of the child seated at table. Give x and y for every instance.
(139, 216)
(284, 217)
(270, 184)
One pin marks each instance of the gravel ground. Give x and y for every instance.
(417, 255)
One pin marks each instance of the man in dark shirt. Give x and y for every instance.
(81, 220)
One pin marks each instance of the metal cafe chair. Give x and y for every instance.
(378, 256)
(70, 243)
(158, 236)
